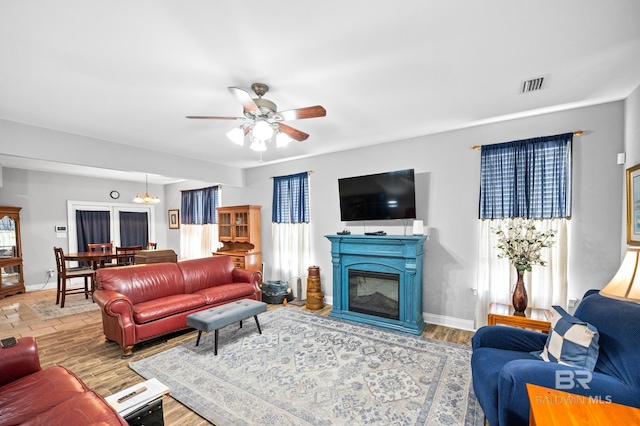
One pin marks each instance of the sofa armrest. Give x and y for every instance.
(247, 276)
(19, 360)
(113, 303)
(508, 338)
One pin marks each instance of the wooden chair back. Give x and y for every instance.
(100, 247)
(60, 263)
(65, 274)
(127, 255)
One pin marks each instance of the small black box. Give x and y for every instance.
(147, 415)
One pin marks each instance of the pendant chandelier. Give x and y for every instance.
(146, 198)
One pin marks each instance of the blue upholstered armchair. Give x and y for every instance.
(502, 364)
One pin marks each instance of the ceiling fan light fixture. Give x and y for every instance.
(262, 130)
(258, 145)
(236, 135)
(263, 120)
(282, 140)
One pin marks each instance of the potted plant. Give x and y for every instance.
(521, 243)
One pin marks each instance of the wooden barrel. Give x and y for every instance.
(315, 297)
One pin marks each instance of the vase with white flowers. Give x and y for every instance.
(521, 243)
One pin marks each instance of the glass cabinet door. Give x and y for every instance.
(8, 240)
(11, 274)
(224, 225)
(241, 226)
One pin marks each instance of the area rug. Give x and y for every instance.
(49, 310)
(307, 369)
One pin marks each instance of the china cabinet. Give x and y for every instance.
(11, 279)
(239, 234)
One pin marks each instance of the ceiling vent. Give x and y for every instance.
(533, 84)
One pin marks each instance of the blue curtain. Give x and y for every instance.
(134, 229)
(93, 227)
(199, 206)
(291, 198)
(527, 178)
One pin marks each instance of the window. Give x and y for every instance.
(290, 227)
(199, 222)
(531, 179)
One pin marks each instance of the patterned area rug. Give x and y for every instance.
(72, 305)
(307, 369)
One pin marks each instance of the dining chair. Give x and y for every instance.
(152, 246)
(67, 274)
(106, 247)
(127, 255)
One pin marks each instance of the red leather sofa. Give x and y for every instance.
(142, 302)
(30, 395)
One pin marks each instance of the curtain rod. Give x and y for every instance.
(576, 133)
(198, 189)
(308, 171)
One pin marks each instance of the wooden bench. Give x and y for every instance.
(223, 315)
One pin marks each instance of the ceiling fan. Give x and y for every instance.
(263, 119)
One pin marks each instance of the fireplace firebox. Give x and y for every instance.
(374, 293)
(377, 280)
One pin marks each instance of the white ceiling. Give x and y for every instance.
(130, 71)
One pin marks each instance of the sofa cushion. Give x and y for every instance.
(570, 342)
(166, 306)
(87, 409)
(227, 292)
(199, 274)
(36, 393)
(141, 283)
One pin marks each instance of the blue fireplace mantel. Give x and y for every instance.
(394, 254)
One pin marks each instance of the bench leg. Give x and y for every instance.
(215, 344)
(198, 340)
(257, 323)
(240, 323)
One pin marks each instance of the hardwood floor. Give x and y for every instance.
(77, 342)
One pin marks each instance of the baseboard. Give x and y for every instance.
(446, 321)
(42, 286)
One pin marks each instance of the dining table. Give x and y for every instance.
(96, 258)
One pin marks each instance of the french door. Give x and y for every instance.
(115, 227)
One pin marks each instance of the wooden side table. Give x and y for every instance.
(535, 319)
(554, 407)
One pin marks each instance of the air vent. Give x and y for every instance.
(533, 84)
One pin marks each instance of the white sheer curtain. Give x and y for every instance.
(197, 241)
(546, 285)
(291, 251)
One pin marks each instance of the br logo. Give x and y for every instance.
(570, 379)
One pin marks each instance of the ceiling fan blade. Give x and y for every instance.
(301, 113)
(210, 117)
(293, 133)
(246, 100)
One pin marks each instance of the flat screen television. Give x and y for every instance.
(380, 196)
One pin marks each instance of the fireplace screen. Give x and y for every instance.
(374, 293)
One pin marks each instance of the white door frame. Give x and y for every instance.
(114, 227)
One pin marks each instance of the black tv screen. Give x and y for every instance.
(381, 196)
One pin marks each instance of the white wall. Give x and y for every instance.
(43, 198)
(631, 146)
(447, 184)
(21, 140)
